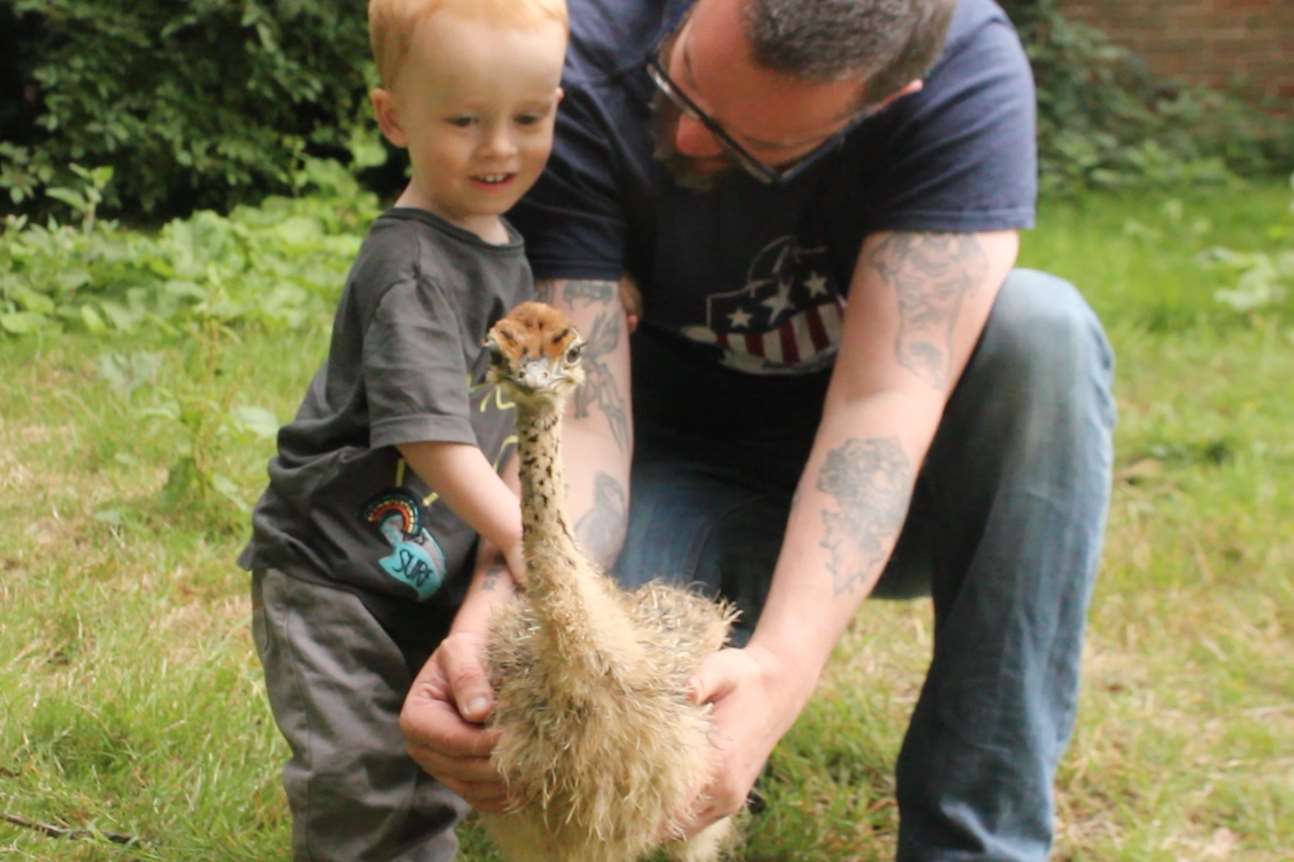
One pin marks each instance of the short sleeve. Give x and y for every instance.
(573, 219)
(960, 155)
(415, 369)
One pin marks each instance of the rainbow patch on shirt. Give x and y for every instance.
(416, 557)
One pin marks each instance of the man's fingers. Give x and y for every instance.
(432, 725)
(492, 797)
(466, 770)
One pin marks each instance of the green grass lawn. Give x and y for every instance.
(131, 702)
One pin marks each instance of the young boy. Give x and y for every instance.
(380, 531)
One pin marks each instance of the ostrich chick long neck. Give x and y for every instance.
(582, 615)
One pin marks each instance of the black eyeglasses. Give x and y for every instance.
(751, 164)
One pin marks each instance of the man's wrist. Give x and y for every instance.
(794, 676)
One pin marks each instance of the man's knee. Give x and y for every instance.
(1043, 355)
(1043, 332)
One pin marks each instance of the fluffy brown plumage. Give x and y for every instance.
(601, 745)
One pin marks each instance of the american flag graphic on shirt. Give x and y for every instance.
(785, 320)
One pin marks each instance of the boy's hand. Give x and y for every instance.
(442, 722)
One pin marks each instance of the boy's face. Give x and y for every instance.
(474, 105)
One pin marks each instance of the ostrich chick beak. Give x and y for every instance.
(538, 375)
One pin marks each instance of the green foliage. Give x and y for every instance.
(1263, 278)
(1105, 122)
(200, 104)
(275, 265)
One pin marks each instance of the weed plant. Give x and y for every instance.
(131, 703)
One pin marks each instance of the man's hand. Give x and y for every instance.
(756, 700)
(442, 722)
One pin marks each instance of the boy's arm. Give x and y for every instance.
(494, 578)
(450, 698)
(468, 484)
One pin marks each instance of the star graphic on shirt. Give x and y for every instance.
(740, 319)
(816, 285)
(779, 301)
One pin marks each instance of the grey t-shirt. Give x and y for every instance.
(405, 365)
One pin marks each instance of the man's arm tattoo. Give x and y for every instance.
(930, 274)
(599, 386)
(602, 529)
(492, 574)
(576, 292)
(599, 389)
(871, 483)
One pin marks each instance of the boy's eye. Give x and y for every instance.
(460, 122)
(528, 119)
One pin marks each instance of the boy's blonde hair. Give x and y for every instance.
(391, 23)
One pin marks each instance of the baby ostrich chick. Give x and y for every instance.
(601, 746)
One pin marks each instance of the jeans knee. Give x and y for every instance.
(1044, 344)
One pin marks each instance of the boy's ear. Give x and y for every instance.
(388, 117)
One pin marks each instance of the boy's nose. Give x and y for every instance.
(499, 142)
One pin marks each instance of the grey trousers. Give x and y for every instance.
(337, 680)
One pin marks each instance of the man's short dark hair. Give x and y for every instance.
(885, 42)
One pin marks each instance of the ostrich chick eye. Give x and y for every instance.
(496, 353)
(574, 352)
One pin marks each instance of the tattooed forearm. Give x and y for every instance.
(930, 274)
(576, 292)
(599, 389)
(599, 385)
(871, 482)
(601, 531)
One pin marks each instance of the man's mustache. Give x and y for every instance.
(684, 170)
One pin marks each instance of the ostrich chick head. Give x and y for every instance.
(535, 354)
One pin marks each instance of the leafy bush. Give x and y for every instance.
(1262, 279)
(199, 104)
(280, 264)
(1105, 121)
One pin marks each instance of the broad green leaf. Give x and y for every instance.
(298, 230)
(71, 197)
(122, 318)
(93, 320)
(72, 280)
(257, 420)
(228, 489)
(30, 300)
(22, 322)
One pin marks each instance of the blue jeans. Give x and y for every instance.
(1004, 533)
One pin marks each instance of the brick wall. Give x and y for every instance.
(1249, 43)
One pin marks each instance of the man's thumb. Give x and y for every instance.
(474, 706)
(713, 679)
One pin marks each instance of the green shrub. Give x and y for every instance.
(197, 104)
(1105, 121)
(277, 265)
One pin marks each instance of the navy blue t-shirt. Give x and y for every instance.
(756, 276)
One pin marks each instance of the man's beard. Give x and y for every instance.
(684, 170)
